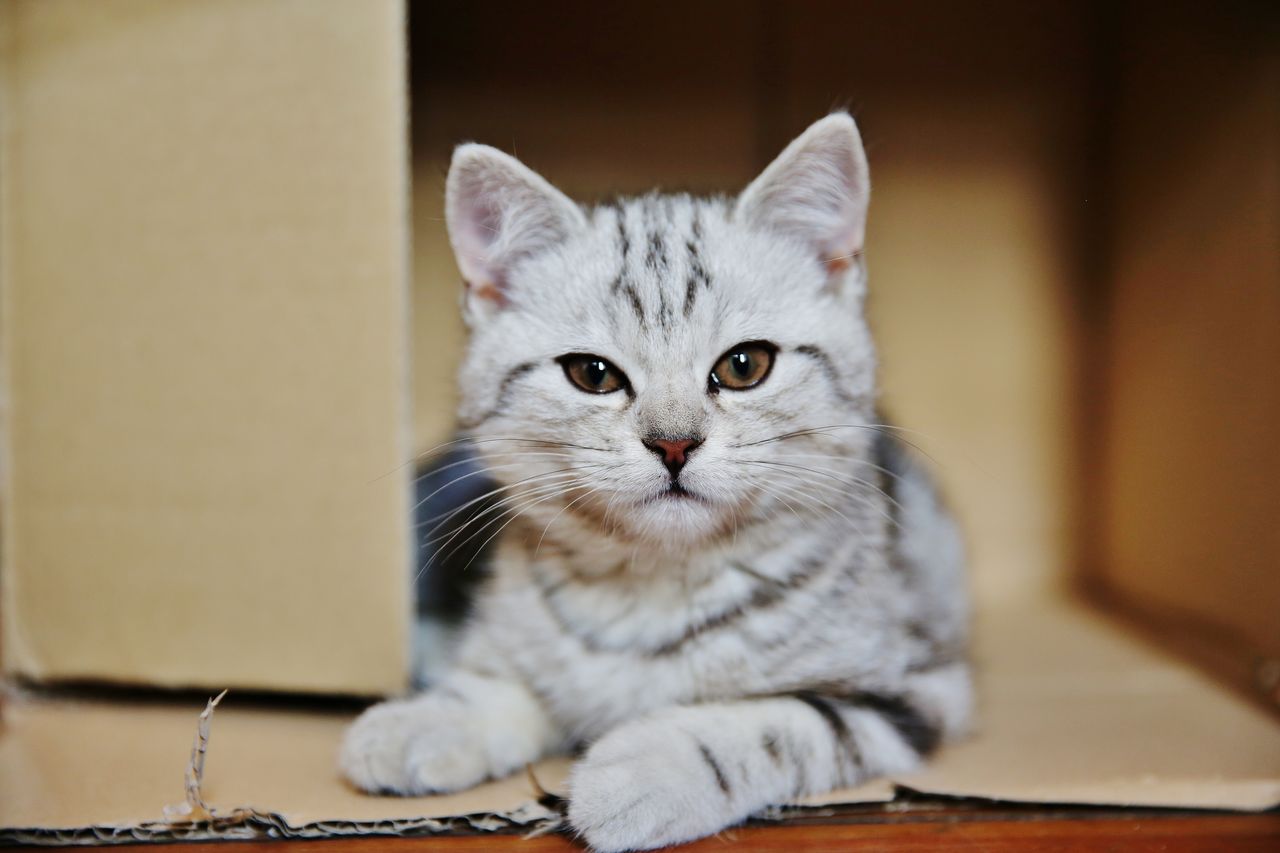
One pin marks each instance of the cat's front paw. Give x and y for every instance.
(424, 745)
(644, 786)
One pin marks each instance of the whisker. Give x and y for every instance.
(499, 488)
(504, 527)
(490, 466)
(884, 429)
(855, 481)
(541, 484)
(588, 494)
(517, 503)
(541, 442)
(511, 505)
(828, 474)
(759, 484)
(800, 494)
(837, 457)
(465, 439)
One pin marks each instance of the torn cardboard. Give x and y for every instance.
(1074, 710)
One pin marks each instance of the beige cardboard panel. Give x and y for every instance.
(1073, 711)
(1191, 444)
(79, 764)
(204, 334)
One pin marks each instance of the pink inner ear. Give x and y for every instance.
(489, 292)
(840, 263)
(837, 266)
(479, 225)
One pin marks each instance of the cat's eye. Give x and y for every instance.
(745, 366)
(592, 374)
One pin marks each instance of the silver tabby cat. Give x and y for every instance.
(717, 574)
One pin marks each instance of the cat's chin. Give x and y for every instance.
(677, 518)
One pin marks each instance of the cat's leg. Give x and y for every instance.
(685, 772)
(467, 729)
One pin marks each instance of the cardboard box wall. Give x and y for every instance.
(998, 282)
(205, 284)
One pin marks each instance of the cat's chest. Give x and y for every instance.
(590, 686)
(596, 659)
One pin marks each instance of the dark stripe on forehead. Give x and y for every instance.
(698, 277)
(623, 286)
(828, 367)
(629, 291)
(624, 247)
(656, 258)
(659, 214)
(624, 240)
(656, 213)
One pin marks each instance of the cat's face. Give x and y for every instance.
(636, 367)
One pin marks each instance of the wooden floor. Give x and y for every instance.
(982, 829)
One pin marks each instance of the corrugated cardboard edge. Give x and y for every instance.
(530, 819)
(249, 825)
(197, 820)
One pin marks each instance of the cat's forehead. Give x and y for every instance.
(660, 282)
(661, 254)
(671, 268)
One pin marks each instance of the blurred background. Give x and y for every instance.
(980, 125)
(1074, 256)
(1072, 241)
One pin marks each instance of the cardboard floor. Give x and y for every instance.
(1074, 709)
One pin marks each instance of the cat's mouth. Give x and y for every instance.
(675, 492)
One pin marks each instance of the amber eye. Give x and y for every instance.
(592, 373)
(744, 366)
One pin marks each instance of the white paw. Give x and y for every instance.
(644, 786)
(423, 745)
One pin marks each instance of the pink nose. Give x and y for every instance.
(674, 451)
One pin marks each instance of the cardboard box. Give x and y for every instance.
(1074, 252)
(205, 285)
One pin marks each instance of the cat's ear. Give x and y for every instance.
(816, 191)
(499, 213)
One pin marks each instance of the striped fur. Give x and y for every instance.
(789, 620)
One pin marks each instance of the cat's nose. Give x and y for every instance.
(673, 451)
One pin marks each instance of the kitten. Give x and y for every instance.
(717, 571)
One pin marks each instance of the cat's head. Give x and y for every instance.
(667, 368)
